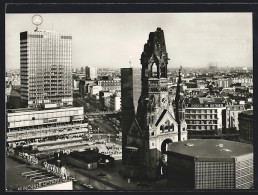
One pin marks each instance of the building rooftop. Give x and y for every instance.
(19, 110)
(210, 149)
(248, 112)
(15, 93)
(14, 179)
(18, 174)
(205, 100)
(86, 156)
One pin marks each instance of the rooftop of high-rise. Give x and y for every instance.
(207, 149)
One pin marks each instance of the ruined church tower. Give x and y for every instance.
(155, 124)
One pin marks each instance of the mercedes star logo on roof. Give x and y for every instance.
(37, 20)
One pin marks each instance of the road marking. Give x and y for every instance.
(20, 165)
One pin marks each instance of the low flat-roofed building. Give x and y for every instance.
(103, 97)
(115, 101)
(18, 118)
(110, 85)
(88, 160)
(23, 178)
(210, 164)
(95, 89)
(232, 112)
(33, 125)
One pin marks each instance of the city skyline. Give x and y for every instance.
(193, 39)
(137, 128)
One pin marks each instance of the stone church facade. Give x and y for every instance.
(159, 119)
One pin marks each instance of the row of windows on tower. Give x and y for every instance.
(202, 122)
(156, 89)
(212, 116)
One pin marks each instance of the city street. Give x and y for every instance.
(105, 126)
(112, 180)
(89, 104)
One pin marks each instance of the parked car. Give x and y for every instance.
(74, 180)
(90, 187)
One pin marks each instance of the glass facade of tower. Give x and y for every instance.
(46, 68)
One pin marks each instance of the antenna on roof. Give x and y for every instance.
(130, 61)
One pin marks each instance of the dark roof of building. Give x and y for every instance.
(86, 156)
(16, 172)
(14, 179)
(210, 149)
(15, 93)
(204, 100)
(247, 112)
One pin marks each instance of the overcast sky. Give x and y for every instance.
(108, 40)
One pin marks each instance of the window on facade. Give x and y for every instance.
(167, 126)
(154, 70)
(152, 133)
(162, 128)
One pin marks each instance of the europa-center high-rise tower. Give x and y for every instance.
(46, 68)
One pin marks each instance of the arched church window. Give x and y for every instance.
(152, 133)
(154, 70)
(167, 126)
(172, 127)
